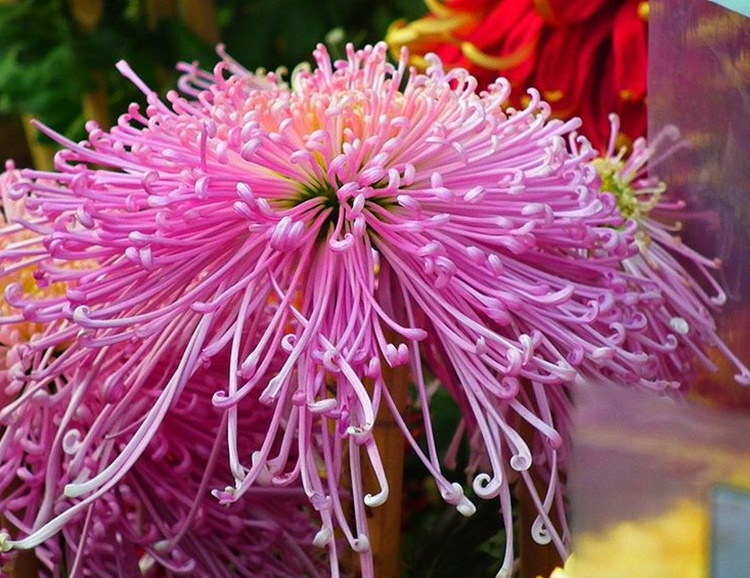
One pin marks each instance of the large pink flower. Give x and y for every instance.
(366, 215)
(159, 517)
(15, 241)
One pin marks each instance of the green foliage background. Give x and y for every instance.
(46, 61)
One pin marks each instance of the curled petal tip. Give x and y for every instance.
(540, 532)
(466, 507)
(378, 499)
(361, 544)
(322, 537)
(485, 486)
(679, 325)
(323, 406)
(521, 462)
(360, 433)
(81, 314)
(743, 377)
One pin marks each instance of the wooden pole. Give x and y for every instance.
(25, 565)
(42, 155)
(385, 521)
(200, 17)
(157, 11)
(87, 15)
(536, 559)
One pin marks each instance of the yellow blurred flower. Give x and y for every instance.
(557, 573)
(671, 545)
(15, 330)
(12, 210)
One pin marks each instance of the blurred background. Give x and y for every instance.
(57, 57)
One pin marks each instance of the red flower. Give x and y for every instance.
(587, 57)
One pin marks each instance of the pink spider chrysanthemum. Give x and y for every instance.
(366, 215)
(15, 240)
(663, 261)
(160, 518)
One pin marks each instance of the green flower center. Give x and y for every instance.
(632, 202)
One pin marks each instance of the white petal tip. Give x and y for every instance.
(377, 500)
(466, 508)
(361, 544)
(322, 537)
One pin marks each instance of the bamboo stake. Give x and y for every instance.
(385, 520)
(156, 11)
(25, 565)
(200, 17)
(95, 101)
(87, 15)
(536, 559)
(42, 155)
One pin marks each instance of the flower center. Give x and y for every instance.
(632, 202)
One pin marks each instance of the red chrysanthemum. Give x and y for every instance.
(588, 58)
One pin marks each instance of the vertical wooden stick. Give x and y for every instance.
(200, 17)
(385, 520)
(87, 15)
(156, 11)
(536, 559)
(95, 105)
(25, 565)
(42, 155)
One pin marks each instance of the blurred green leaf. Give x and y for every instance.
(438, 541)
(450, 545)
(46, 62)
